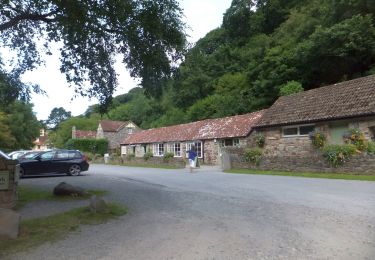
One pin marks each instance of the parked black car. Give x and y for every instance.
(71, 162)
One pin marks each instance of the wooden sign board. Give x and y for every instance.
(4, 180)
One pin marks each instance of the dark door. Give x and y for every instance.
(38, 165)
(60, 161)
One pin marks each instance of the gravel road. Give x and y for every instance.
(212, 215)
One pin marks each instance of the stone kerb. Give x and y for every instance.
(315, 162)
(8, 183)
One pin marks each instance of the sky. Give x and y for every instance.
(201, 16)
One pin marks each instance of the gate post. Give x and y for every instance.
(8, 183)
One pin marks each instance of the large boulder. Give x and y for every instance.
(65, 189)
(98, 205)
(9, 223)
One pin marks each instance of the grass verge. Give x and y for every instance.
(343, 176)
(28, 194)
(52, 228)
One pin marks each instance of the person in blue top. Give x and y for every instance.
(192, 155)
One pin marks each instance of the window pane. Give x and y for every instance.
(47, 155)
(160, 149)
(61, 155)
(177, 149)
(290, 131)
(305, 130)
(228, 142)
(198, 147)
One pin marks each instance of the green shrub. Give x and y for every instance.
(356, 137)
(337, 154)
(291, 87)
(260, 140)
(148, 155)
(318, 139)
(167, 157)
(253, 155)
(371, 147)
(90, 156)
(95, 146)
(130, 156)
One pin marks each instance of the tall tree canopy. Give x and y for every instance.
(264, 49)
(57, 115)
(149, 34)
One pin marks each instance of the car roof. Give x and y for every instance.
(2, 154)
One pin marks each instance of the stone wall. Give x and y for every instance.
(276, 145)
(301, 146)
(211, 152)
(314, 162)
(8, 197)
(175, 162)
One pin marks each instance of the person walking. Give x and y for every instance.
(192, 156)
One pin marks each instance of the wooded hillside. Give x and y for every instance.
(263, 49)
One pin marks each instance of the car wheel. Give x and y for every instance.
(21, 172)
(74, 170)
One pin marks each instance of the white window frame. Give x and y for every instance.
(158, 149)
(298, 130)
(235, 142)
(176, 149)
(123, 149)
(199, 152)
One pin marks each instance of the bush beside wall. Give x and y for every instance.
(361, 163)
(94, 146)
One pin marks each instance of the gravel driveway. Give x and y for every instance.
(212, 215)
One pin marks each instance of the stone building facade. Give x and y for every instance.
(208, 136)
(332, 111)
(115, 132)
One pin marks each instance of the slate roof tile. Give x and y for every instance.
(85, 134)
(233, 126)
(112, 126)
(353, 98)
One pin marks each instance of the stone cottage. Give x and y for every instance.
(209, 137)
(332, 110)
(115, 132)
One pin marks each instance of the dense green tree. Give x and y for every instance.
(262, 47)
(291, 87)
(23, 124)
(149, 34)
(57, 115)
(7, 140)
(63, 133)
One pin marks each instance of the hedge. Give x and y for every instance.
(95, 146)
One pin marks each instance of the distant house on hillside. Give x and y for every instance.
(332, 110)
(82, 134)
(208, 136)
(115, 131)
(41, 143)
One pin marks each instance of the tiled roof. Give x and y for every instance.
(112, 126)
(353, 98)
(233, 126)
(41, 140)
(85, 134)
